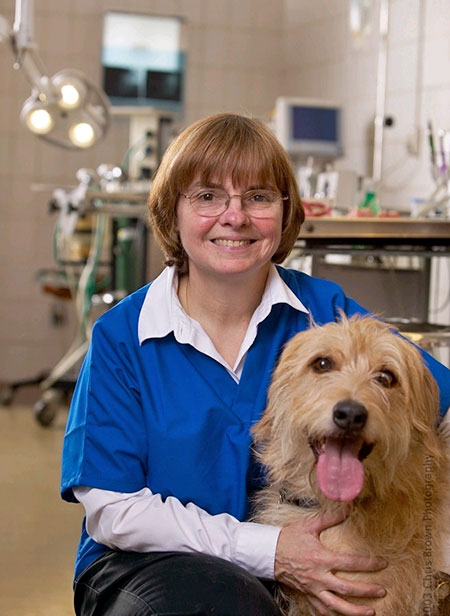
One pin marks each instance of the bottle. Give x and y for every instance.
(369, 204)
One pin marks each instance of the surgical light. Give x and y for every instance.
(70, 97)
(39, 121)
(66, 109)
(82, 134)
(70, 89)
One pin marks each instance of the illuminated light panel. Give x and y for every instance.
(70, 96)
(82, 134)
(39, 121)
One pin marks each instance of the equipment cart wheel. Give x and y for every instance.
(46, 409)
(6, 395)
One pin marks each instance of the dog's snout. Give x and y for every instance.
(350, 415)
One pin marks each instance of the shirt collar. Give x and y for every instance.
(162, 313)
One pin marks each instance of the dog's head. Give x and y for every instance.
(349, 404)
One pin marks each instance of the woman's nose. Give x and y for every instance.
(235, 213)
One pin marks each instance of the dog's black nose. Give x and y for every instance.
(350, 415)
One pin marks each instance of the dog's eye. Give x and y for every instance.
(322, 364)
(386, 378)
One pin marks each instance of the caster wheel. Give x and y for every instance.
(6, 395)
(45, 411)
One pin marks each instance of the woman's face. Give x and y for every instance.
(231, 244)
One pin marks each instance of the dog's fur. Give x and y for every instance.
(399, 513)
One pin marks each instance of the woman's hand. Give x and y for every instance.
(304, 563)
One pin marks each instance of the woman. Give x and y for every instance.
(157, 446)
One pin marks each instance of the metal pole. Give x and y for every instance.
(381, 93)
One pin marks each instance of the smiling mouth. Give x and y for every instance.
(318, 446)
(233, 243)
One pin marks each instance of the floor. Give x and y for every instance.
(39, 532)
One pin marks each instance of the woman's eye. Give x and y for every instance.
(206, 197)
(322, 365)
(386, 378)
(259, 197)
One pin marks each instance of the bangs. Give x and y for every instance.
(246, 166)
(236, 152)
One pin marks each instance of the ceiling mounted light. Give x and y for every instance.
(67, 109)
(82, 134)
(39, 121)
(70, 96)
(69, 85)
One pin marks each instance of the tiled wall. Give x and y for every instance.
(241, 55)
(321, 60)
(234, 59)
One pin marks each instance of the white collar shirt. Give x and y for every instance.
(162, 313)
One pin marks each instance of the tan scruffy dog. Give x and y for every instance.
(351, 423)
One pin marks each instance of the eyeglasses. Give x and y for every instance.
(258, 203)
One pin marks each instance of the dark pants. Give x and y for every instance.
(169, 584)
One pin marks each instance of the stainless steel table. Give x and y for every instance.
(377, 237)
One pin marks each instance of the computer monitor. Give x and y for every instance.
(308, 127)
(143, 61)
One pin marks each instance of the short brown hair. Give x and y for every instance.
(219, 146)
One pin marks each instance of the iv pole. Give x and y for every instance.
(377, 165)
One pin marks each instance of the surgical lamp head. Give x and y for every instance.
(67, 109)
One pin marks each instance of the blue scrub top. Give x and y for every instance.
(165, 416)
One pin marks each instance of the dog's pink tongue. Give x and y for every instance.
(339, 472)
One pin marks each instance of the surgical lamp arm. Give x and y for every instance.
(25, 48)
(66, 109)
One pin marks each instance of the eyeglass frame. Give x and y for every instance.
(228, 201)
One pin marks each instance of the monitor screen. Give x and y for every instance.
(143, 60)
(309, 128)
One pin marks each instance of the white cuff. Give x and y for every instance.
(255, 548)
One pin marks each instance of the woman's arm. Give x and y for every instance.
(142, 522)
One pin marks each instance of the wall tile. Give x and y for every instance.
(194, 84)
(217, 47)
(85, 35)
(269, 15)
(437, 18)
(436, 63)
(244, 14)
(196, 37)
(6, 70)
(240, 48)
(194, 10)
(266, 51)
(402, 67)
(24, 360)
(55, 35)
(404, 24)
(217, 13)
(435, 107)
(213, 87)
(55, 7)
(237, 89)
(298, 14)
(6, 160)
(401, 105)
